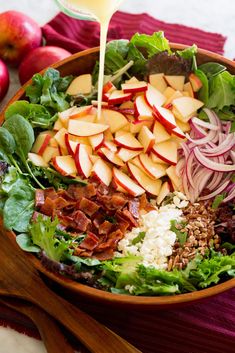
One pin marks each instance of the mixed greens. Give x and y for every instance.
(19, 178)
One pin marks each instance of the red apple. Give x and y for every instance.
(128, 141)
(19, 34)
(38, 59)
(102, 172)
(65, 165)
(82, 161)
(127, 183)
(4, 80)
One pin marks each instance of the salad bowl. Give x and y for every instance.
(83, 63)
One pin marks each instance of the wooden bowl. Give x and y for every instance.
(80, 63)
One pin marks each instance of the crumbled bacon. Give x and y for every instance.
(100, 212)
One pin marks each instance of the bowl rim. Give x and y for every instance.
(113, 298)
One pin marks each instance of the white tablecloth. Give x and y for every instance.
(210, 15)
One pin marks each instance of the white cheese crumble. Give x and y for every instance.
(157, 244)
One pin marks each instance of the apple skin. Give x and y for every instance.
(38, 59)
(19, 34)
(4, 80)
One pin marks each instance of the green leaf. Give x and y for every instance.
(181, 236)
(121, 46)
(151, 44)
(138, 58)
(211, 69)
(21, 107)
(7, 142)
(203, 93)
(217, 201)
(221, 91)
(140, 237)
(25, 243)
(188, 53)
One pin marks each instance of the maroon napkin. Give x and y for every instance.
(76, 35)
(206, 327)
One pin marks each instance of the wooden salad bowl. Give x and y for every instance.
(81, 63)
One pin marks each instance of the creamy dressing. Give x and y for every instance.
(102, 10)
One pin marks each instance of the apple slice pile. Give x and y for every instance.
(133, 145)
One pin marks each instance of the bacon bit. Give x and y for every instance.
(48, 207)
(134, 207)
(118, 200)
(39, 198)
(60, 203)
(90, 242)
(81, 220)
(98, 220)
(36, 215)
(127, 216)
(105, 255)
(51, 193)
(88, 207)
(105, 227)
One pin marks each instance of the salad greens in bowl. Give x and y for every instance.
(135, 206)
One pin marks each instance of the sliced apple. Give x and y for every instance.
(165, 116)
(142, 110)
(118, 97)
(186, 106)
(126, 154)
(80, 85)
(87, 118)
(49, 153)
(37, 160)
(60, 137)
(65, 165)
(165, 190)
(154, 97)
(80, 112)
(110, 156)
(151, 186)
(58, 125)
(85, 129)
(176, 82)
(156, 171)
(175, 180)
(53, 142)
(188, 88)
(64, 116)
(63, 151)
(42, 141)
(169, 100)
(167, 151)
(132, 80)
(157, 160)
(178, 132)
(146, 139)
(127, 183)
(158, 82)
(109, 87)
(160, 133)
(82, 161)
(137, 125)
(185, 94)
(185, 127)
(102, 172)
(134, 87)
(108, 135)
(128, 141)
(96, 141)
(195, 81)
(169, 91)
(95, 103)
(115, 120)
(110, 145)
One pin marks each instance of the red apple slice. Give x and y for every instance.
(49, 153)
(146, 139)
(178, 132)
(82, 161)
(64, 116)
(37, 160)
(137, 125)
(195, 81)
(132, 80)
(154, 97)
(80, 112)
(185, 127)
(167, 151)
(142, 110)
(168, 102)
(71, 145)
(151, 186)
(188, 88)
(93, 158)
(118, 97)
(65, 165)
(60, 138)
(165, 190)
(95, 103)
(176, 82)
(80, 85)
(165, 116)
(96, 141)
(187, 106)
(134, 87)
(169, 91)
(126, 154)
(110, 145)
(127, 105)
(128, 141)
(157, 160)
(160, 133)
(102, 172)
(115, 120)
(58, 125)
(87, 118)
(158, 82)
(156, 171)
(126, 183)
(85, 129)
(108, 135)
(175, 180)
(42, 141)
(108, 87)
(110, 156)
(53, 142)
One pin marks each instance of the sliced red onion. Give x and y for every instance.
(227, 127)
(216, 179)
(180, 166)
(202, 123)
(208, 138)
(224, 147)
(211, 164)
(189, 164)
(216, 192)
(213, 118)
(232, 155)
(230, 197)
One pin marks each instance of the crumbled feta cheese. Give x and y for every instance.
(158, 241)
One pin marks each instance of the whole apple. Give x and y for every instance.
(4, 80)
(19, 34)
(38, 59)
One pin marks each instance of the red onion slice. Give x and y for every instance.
(202, 123)
(216, 192)
(230, 197)
(212, 165)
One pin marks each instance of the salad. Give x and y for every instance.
(140, 200)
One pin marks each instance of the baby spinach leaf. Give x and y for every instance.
(221, 91)
(21, 107)
(211, 69)
(7, 142)
(203, 93)
(25, 243)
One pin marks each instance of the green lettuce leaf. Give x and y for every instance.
(222, 92)
(151, 44)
